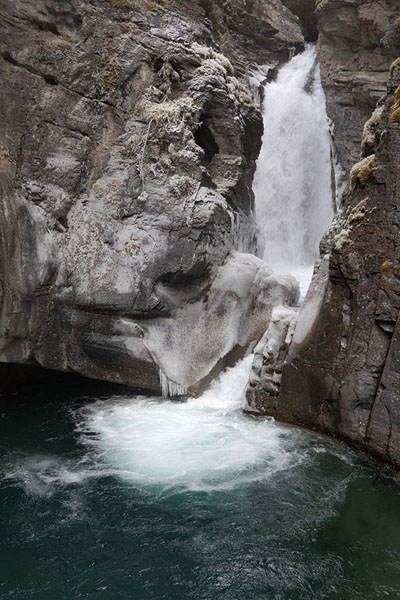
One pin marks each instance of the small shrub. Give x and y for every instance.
(395, 116)
(170, 116)
(205, 52)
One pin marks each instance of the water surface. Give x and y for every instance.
(132, 497)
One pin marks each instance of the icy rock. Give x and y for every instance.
(206, 335)
(263, 389)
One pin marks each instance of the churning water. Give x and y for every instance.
(137, 498)
(293, 195)
(202, 444)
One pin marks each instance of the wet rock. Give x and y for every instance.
(270, 354)
(201, 337)
(305, 11)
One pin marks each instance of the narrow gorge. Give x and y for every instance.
(199, 276)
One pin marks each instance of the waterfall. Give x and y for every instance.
(293, 195)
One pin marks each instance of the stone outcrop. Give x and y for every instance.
(128, 143)
(341, 374)
(358, 40)
(254, 32)
(263, 389)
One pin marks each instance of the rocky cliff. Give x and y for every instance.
(337, 370)
(128, 145)
(127, 148)
(340, 373)
(358, 40)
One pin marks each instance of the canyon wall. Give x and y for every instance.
(128, 142)
(358, 40)
(128, 145)
(339, 371)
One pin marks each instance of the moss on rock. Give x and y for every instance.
(395, 116)
(362, 172)
(389, 266)
(395, 64)
(370, 128)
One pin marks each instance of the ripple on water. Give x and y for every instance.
(147, 498)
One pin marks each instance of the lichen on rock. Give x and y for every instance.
(362, 172)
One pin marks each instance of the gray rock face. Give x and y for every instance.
(127, 150)
(254, 32)
(358, 40)
(305, 11)
(341, 374)
(270, 354)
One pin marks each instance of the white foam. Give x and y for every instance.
(303, 274)
(201, 444)
(42, 475)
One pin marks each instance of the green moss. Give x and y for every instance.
(395, 116)
(387, 267)
(397, 98)
(370, 128)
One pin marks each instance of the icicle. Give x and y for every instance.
(170, 389)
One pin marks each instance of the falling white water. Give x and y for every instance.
(293, 196)
(208, 443)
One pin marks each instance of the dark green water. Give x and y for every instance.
(85, 513)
